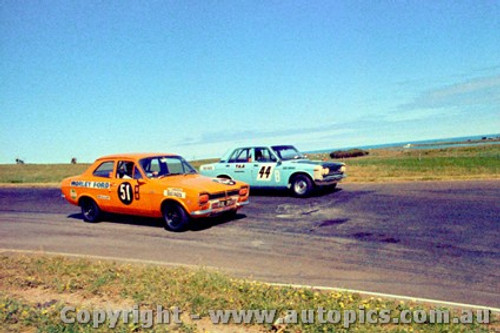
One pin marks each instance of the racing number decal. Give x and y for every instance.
(265, 172)
(125, 193)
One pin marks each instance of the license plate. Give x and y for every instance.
(222, 204)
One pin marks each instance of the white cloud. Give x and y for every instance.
(479, 91)
(421, 114)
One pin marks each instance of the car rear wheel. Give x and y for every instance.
(302, 186)
(90, 210)
(176, 218)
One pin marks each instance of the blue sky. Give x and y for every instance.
(88, 78)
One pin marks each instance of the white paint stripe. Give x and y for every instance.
(90, 256)
(298, 286)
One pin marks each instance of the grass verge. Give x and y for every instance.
(381, 165)
(461, 163)
(34, 290)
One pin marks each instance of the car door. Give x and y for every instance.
(98, 186)
(129, 190)
(238, 165)
(265, 170)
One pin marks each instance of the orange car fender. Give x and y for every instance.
(77, 196)
(171, 199)
(86, 195)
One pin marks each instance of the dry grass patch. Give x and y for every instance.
(36, 288)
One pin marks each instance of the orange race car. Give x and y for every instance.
(153, 185)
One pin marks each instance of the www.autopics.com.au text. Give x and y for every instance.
(147, 318)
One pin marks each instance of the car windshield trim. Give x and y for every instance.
(161, 166)
(278, 150)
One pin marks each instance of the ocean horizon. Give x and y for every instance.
(429, 144)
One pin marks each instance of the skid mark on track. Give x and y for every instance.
(313, 210)
(327, 223)
(371, 237)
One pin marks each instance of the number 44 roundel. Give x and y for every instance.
(265, 172)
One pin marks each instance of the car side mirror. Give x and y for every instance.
(278, 163)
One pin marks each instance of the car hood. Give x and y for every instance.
(330, 165)
(201, 183)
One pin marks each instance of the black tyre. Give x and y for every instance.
(302, 186)
(176, 218)
(90, 210)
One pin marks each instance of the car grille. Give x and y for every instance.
(219, 195)
(334, 169)
(333, 173)
(233, 193)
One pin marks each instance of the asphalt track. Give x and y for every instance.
(436, 240)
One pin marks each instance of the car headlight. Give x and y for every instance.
(342, 169)
(326, 171)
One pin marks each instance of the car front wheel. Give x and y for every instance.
(302, 186)
(176, 218)
(90, 210)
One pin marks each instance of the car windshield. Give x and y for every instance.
(164, 166)
(287, 152)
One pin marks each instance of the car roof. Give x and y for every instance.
(261, 146)
(134, 156)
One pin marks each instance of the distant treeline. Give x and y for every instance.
(348, 153)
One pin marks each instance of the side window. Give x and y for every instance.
(125, 169)
(104, 169)
(234, 155)
(264, 155)
(240, 156)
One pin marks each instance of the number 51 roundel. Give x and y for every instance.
(125, 193)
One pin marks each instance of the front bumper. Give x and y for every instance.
(216, 211)
(329, 180)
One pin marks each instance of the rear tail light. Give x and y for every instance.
(243, 191)
(203, 198)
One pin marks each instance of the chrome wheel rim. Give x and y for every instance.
(300, 187)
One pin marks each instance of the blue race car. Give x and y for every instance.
(276, 167)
